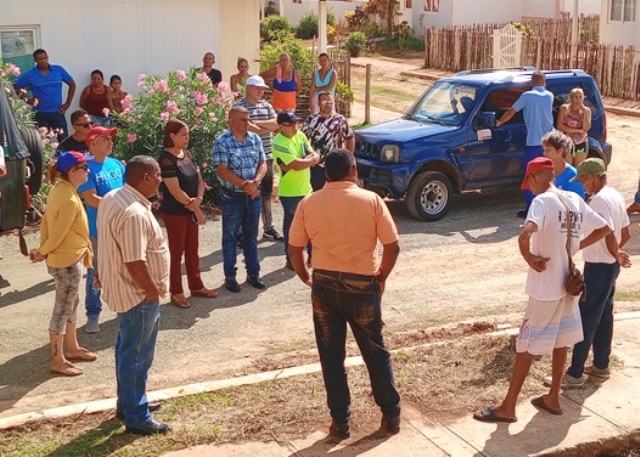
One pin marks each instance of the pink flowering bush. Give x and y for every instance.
(185, 95)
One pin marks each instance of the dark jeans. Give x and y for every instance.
(289, 205)
(53, 121)
(596, 313)
(530, 153)
(239, 211)
(135, 347)
(338, 299)
(265, 193)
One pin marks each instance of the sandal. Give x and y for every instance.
(180, 301)
(204, 292)
(67, 369)
(81, 354)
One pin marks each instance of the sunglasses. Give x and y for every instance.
(81, 167)
(86, 126)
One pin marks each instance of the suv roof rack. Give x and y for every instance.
(481, 71)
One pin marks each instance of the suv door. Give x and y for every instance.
(495, 154)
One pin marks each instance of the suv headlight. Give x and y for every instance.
(390, 153)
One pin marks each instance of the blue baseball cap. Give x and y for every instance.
(68, 159)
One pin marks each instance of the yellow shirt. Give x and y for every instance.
(64, 231)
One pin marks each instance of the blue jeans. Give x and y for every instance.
(239, 211)
(289, 205)
(92, 302)
(596, 313)
(530, 153)
(135, 346)
(338, 299)
(53, 121)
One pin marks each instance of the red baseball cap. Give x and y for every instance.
(537, 164)
(97, 131)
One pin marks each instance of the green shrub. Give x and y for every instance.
(272, 25)
(354, 43)
(301, 57)
(308, 25)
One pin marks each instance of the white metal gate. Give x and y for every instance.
(507, 46)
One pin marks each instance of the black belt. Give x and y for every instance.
(346, 276)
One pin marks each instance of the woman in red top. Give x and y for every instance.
(94, 99)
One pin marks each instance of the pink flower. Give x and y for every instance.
(200, 98)
(161, 86)
(142, 80)
(171, 107)
(132, 137)
(222, 86)
(127, 102)
(181, 75)
(204, 165)
(105, 112)
(13, 69)
(43, 131)
(164, 117)
(213, 117)
(198, 111)
(203, 77)
(142, 77)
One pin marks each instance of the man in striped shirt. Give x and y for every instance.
(134, 272)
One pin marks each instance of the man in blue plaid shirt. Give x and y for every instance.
(240, 160)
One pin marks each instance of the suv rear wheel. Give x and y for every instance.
(429, 196)
(31, 140)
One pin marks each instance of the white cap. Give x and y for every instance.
(256, 81)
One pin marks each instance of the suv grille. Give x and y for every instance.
(366, 150)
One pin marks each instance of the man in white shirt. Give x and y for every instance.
(552, 319)
(601, 268)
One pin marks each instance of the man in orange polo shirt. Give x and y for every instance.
(347, 284)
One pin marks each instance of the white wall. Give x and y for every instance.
(295, 11)
(129, 37)
(586, 7)
(617, 32)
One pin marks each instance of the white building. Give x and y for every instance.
(619, 22)
(129, 37)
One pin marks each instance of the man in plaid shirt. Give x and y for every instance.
(240, 160)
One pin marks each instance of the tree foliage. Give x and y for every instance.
(385, 10)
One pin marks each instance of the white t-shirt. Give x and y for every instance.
(550, 240)
(609, 204)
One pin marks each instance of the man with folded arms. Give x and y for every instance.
(552, 318)
(347, 284)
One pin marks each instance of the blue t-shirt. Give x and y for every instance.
(103, 177)
(538, 113)
(47, 89)
(564, 178)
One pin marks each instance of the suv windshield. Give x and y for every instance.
(446, 103)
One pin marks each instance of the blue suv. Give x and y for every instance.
(447, 142)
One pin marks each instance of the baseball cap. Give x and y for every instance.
(97, 131)
(68, 159)
(256, 81)
(289, 117)
(537, 164)
(589, 167)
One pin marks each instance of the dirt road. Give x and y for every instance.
(464, 267)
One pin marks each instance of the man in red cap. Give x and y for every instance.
(105, 174)
(552, 319)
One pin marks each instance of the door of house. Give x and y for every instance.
(507, 45)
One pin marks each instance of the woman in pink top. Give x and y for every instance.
(574, 119)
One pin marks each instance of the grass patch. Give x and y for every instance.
(626, 295)
(300, 345)
(398, 94)
(443, 382)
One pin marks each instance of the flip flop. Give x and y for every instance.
(83, 355)
(539, 403)
(204, 292)
(67, 369)
(488, 414)
(180, 303)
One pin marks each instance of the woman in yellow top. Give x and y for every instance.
(65, 245)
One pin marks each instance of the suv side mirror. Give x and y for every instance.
(487, 119)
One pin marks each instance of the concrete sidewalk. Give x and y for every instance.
(593, 413)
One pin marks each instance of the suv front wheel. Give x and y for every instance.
(429, 196)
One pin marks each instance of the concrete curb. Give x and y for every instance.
(98, 406)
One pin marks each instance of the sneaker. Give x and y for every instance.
(602, 373)
(339, 431)
(272, 234)
(93, 325)
(151, 427)
(390, 426)
(232, 285)
(568, 381)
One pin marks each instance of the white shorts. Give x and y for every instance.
(548, 325)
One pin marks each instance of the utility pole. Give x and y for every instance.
(322, 25)
(574, 35)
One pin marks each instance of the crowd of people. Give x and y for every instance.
(99, 217)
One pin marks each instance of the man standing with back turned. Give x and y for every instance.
(347, 284)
